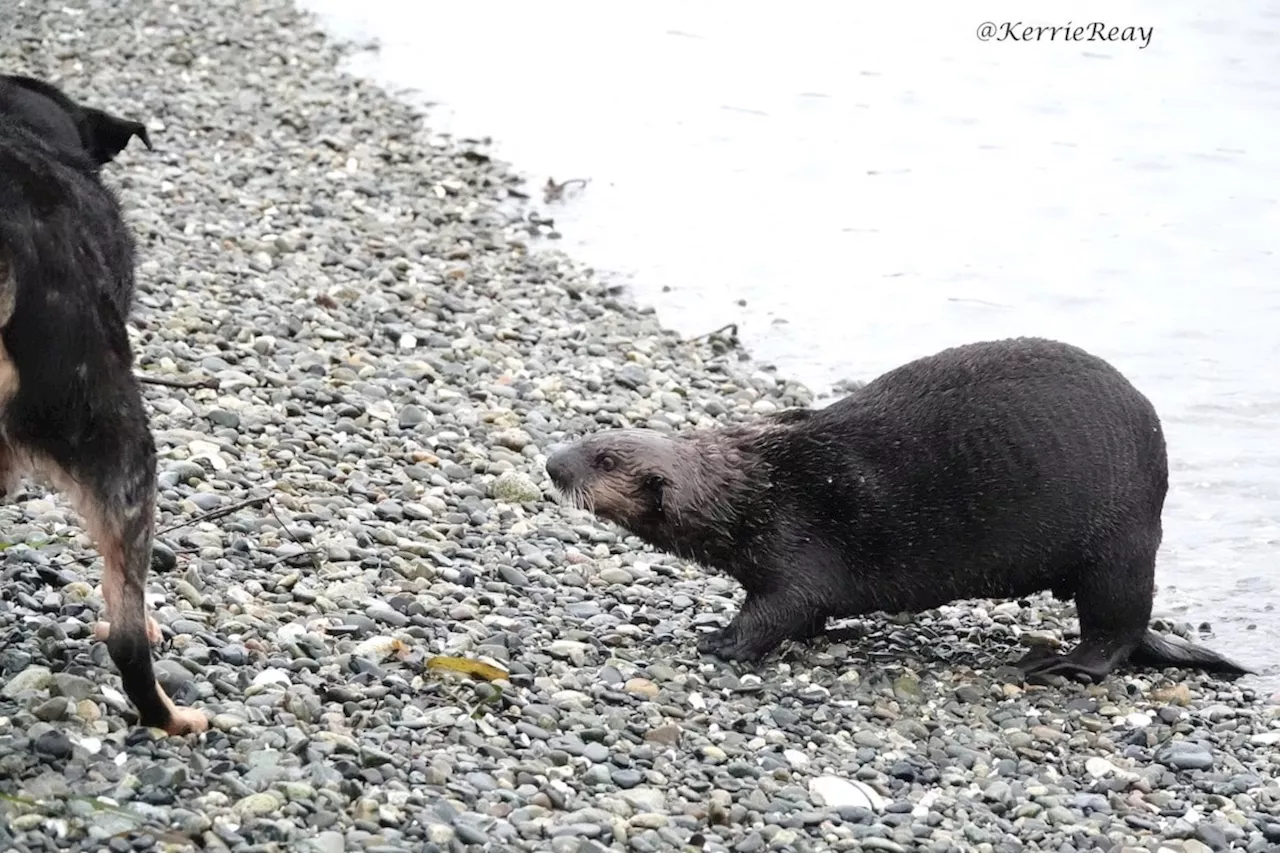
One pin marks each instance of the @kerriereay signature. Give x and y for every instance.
(1019, 31)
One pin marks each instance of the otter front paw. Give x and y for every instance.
(728, 644)
(711, 643)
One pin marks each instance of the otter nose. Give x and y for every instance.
(560, 464)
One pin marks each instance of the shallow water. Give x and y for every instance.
(874, 184)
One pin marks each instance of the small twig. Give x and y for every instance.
(147, 379)
(217, 513)
(733, 327)
(314, 553)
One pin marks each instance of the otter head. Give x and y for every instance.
(619, 475)
(60, 121)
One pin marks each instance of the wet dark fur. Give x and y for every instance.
(71, 410)
(995, 469)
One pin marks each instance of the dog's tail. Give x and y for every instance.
(1157, 650)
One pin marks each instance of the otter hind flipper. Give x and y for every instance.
(1156, 650)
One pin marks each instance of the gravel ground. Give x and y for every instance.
(386, 349)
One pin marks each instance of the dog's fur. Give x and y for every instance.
(71, 409)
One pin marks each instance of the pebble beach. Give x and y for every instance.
(369, 343)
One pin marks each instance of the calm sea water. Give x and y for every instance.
(856, 185)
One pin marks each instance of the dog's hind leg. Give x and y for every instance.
(9, 385)
(10, 471)
(113, 486)
(10, 476)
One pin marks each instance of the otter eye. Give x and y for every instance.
(653, 483)
(606, 462)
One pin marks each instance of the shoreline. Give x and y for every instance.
(390, 359)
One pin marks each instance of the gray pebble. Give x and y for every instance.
(1185, 756)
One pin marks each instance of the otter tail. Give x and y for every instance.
(1156, 650)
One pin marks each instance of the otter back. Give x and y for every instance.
(987, 470)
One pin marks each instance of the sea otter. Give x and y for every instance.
(989, 470)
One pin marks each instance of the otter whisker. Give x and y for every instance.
(573, 497)
(565, 497)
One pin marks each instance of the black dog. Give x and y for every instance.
(71, 409)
